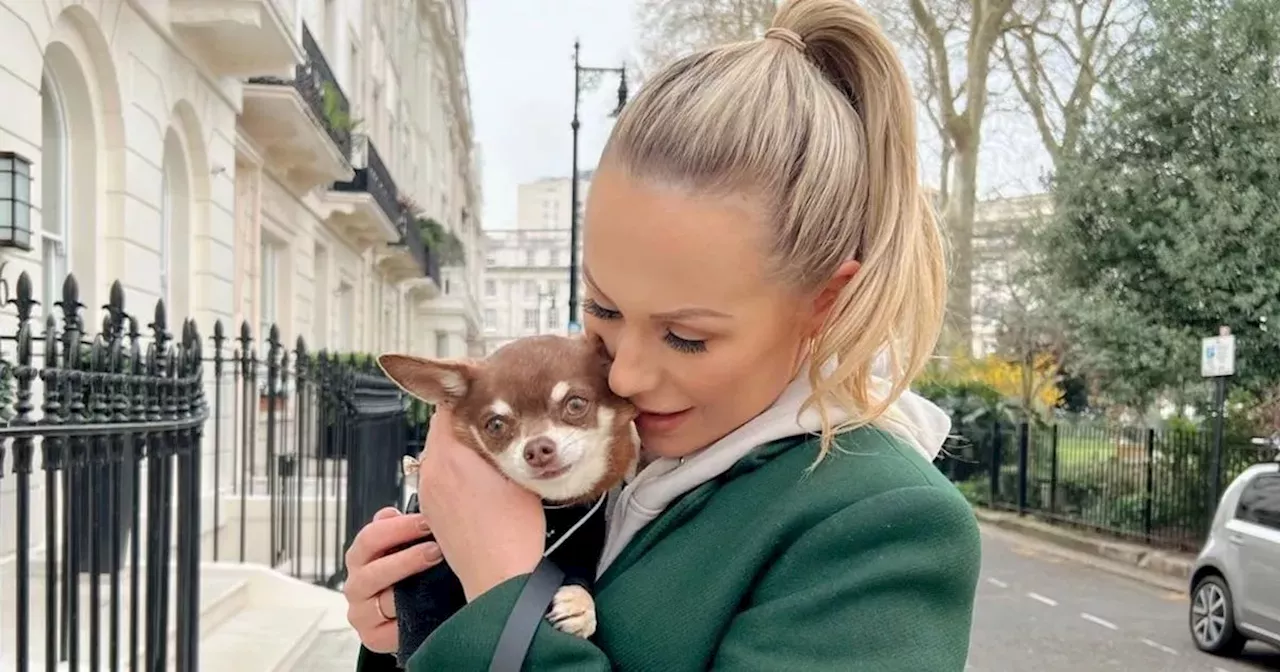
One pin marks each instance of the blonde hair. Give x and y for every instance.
(816, 122)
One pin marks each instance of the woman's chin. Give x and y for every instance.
(670, 447)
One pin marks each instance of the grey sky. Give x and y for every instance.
(520, 66)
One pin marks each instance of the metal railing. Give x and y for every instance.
(315, 82)
(1141, 484)
(374, 179)
(136, 454)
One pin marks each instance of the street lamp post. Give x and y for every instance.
(578, 71)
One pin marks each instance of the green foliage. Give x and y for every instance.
(440, 239)
(417, 412)
(335, 114)
(1165, 223)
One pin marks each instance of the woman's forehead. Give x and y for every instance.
(640, 239)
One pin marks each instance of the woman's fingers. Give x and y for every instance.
(386, 512)
(384, 638)
(382, 573)
(384, 534)
(376, 633)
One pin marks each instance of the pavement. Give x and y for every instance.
(1042, 607)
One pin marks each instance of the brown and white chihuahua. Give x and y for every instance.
(541, 411)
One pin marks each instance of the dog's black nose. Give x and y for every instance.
(540, 452)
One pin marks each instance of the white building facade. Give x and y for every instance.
(307, 164)
(248, 161)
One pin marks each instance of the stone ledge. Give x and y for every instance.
(1166, 563)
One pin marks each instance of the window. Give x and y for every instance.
(1260, 501)
(490, 259)
(490, 288)
(490, 318)
(530, 289)
(553, 289)
(528, 258)
(55, 203)
(555, 258)
(553, 318)
(442, 344)
(269, 289)
(531, 318)
(346, 315)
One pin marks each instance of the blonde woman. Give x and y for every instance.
(755, 237)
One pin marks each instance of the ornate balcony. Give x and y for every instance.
(366, 208)
(303, 124)
(237, 38)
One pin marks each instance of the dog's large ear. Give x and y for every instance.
(434, 381)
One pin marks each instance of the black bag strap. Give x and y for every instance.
(522, 624)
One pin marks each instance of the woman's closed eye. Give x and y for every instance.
(676, 342)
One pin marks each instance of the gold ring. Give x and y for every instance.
(377, 603)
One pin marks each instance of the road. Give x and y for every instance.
(1042, 609)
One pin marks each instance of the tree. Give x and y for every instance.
(1056, 53)
(1166, 219)
(673, 28)
(953, 47)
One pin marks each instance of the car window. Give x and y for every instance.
(1260, 501)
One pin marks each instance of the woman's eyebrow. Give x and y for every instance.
(685, 313)
(669, 316)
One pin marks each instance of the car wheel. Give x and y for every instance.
(1213, 623)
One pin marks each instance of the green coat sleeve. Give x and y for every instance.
(885, 585)
(466, 641)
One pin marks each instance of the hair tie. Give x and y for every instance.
(787, 35)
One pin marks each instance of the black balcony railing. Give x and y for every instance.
(315, 82)
(411, 238)
(119, 439)
(375, 180)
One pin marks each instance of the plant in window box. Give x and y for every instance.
(446, 245)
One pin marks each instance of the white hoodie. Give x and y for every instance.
(664, 480)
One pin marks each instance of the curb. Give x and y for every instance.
(1165, 563)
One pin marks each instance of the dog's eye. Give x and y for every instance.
(495, 425)
(575, 405)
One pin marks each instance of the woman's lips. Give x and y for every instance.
(651, 423)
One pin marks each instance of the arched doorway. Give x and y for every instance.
(175, 230)
(55, 184)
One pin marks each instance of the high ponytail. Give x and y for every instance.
(818, 121)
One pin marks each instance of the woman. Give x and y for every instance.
(755, 236)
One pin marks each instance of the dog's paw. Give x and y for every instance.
(573, 611)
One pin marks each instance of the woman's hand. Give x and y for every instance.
(489, 528)
(371, 571)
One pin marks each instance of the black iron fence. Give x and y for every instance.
(1146, 485)
(137, 453)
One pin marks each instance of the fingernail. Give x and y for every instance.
(423, 524)
(431, 551)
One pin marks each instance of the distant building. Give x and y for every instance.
(545, 203)
(526, 286)
(996, 247)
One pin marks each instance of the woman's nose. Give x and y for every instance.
(629, 375)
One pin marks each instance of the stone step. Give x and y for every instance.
(221, 597)
(260, 638)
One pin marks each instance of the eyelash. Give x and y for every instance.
(675, 342)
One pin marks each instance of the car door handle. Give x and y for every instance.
(1236, 539)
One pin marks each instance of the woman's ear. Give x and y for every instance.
(826, 297)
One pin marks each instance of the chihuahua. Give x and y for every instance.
(541, 411)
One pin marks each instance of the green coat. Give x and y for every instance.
(869, 563)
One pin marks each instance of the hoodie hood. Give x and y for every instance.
(921, 423)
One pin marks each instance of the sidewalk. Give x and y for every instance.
(1170, 565)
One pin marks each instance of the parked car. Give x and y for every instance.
(1235, 583)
